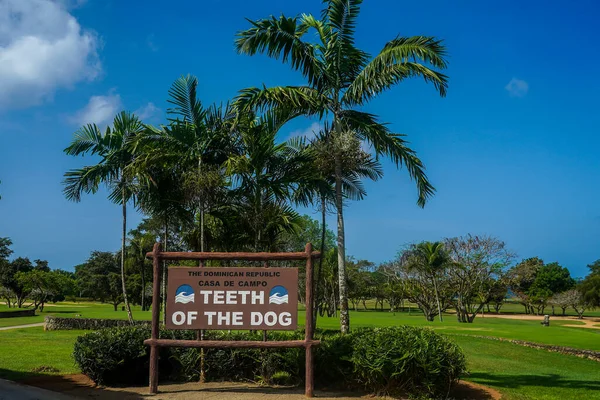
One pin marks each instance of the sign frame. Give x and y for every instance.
(308, 343)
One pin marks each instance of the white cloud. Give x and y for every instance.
(147, 112)
(42, 48)
(517, 87)
(100, 110)
(308, 133)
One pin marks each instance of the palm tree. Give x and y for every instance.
(116, 155)
(264, 176)
(340, 80)
(357, 164)
(197, 141)
(431, 258)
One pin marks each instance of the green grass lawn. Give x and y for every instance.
(533, 331)
(517, 372)
(523, 373)
(23, 350)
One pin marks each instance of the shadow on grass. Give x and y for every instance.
(524, 380)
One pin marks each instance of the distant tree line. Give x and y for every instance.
(468, 274)
(23, 281)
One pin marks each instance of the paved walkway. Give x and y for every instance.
(14, 391)
(5, 328)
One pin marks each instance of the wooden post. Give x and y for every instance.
(199, 337)
(155, 318)
(308, 326)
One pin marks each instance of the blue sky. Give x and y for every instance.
(512, 149)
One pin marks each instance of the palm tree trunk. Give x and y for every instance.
(437, 299)
(164, 275)
(124, 232)
(339, 204)
(202, 228)
(143, 275)
(320, 271)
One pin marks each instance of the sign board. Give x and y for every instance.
(232, 298)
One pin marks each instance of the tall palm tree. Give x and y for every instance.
(340, 80)
(114, 148)
(319, 189)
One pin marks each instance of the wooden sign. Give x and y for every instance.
(232, 298)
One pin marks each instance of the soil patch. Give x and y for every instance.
(82, 387)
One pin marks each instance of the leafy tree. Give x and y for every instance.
(550, 279)
(341, 79)
(594, 268)
(521, 278)
(477, 262)
(8, 280)
(96, 278)
(590, 286)
(116, 152)
(5, 250)
(43, 285)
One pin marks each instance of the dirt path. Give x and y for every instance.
(80, 386)
(5, 328)
(588, 322)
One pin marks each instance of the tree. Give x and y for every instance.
(96, 278)
(319, 188)
(264, 175)
(477, 262)
(550, 279)
(521, 278)
(8, 280)
(140, 243)
(590, 286)
(116, 152)
(412, 272)
(42, 285)
(341, 79)
(564, 300)
(5, 250)
(431, 260)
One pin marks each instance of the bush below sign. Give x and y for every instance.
(404, 359)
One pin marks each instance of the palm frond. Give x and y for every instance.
(87, 180)
(390, 145)
(86, 139)
(183, 95)
(400, 59)
(298, 99)
(281, 38)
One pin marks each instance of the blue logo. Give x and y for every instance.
(184, 294)
(278, 295)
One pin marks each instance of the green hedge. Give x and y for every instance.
(52, 323)
(408, 360)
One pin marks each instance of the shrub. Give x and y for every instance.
(115, 355)
(406, 359)
(52, 323)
